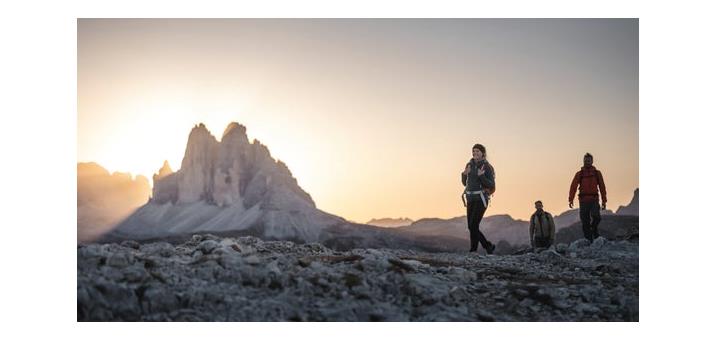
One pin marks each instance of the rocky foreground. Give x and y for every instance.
(209, 278)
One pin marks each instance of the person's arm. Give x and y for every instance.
(487, 179)
(573, 188)
(464, 177)
(601, 185)
(551, 224)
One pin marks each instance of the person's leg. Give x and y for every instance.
(480, 211)
(585, 219)
(595, 215)
(472, 228)
(542, 242)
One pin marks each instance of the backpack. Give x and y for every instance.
(588, 183)
(491, 191)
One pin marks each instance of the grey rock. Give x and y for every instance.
(120, 259)
(598, 243)
(252, 260)
(93, 250)
(587, 308)
(282, 281)
(208, 246)
(157, 299)
(130, 244)
(416, 265)
(244, 248)
(561, 248)
(461, 274)
(550, 254)
(135, 273)
(578, 244)
(120, 298)
(163, 249)
(521, 293)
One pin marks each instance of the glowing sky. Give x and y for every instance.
(375, 118)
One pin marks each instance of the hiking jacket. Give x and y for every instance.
(589, 180)
(473, 182)
(542, 225)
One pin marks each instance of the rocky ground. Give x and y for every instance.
(210, 278)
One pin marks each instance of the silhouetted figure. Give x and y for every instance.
(479, 180)
(589, 180)
(542, 227)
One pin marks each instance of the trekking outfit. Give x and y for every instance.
(589, 180)
(476, 197)
(542, 229)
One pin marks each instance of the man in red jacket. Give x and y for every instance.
(590, 180)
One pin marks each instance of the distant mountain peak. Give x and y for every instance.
(165, 170)
(92, 168)
(632, 208)
(104, 199)
(227, 185)
(234, 127)
(388, 222)
(199, 129)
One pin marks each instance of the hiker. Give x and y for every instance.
(478, 177)
(542, 227)
(589, 180)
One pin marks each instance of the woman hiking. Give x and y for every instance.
(479, 181)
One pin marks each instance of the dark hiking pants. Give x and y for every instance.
(590, 217)
(542, 242)
(475, 213)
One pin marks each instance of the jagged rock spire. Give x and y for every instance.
(165, 170)
(230, 172)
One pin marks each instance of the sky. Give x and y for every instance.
(374, 117)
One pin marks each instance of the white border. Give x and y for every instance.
(677, 71)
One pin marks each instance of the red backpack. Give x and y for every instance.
(588, 182)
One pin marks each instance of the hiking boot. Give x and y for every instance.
(490, 249)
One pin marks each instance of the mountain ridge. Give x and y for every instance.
(223, 185)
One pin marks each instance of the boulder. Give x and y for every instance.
(578, 244)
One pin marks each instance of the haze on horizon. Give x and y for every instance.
(374, 117)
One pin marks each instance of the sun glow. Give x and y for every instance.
(138, 137)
